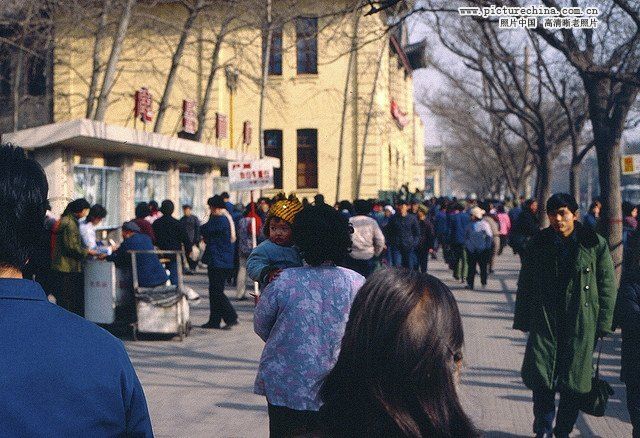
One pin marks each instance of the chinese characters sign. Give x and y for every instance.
(143, 102)
(250, 175)
(189, 116)
(222, 126)
(246, 133)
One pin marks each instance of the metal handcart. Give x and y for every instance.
(162, 309)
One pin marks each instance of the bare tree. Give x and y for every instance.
(110, 70)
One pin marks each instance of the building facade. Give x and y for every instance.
(339, 113)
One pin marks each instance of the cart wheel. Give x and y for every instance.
(134, 332)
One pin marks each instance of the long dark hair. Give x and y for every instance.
(396, 372)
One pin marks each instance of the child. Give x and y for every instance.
(269, 258)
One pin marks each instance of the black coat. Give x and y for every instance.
(171, 234)
(628, 312)
(403, 232)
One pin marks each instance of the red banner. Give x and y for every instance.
(143, 102)
(398, 115)
(222, 126)
(247, 132)
(189, 116)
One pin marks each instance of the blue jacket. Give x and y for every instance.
(269, 256)
(151, 273)
(457, 225)
(217, 235)
(441, 225)
(403, 232)
(61, 374)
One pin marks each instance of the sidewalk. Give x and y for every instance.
(203, 386)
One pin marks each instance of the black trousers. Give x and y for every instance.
(285, 422)
(480, 259)
(220, 307)
(544, 411)
(70, 295)
(423, 260)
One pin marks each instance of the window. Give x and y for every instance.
(150, 185)
(307, 158)
(100, 185)
(273, 148)
(275, 55)
(307, 45)
(192, 193)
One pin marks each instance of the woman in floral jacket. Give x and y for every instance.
(302, 316)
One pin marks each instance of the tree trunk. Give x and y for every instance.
(97, 50)
(367, 124)
(204, 105)
(607, 125)
(545, 170)
(574, 180)
(110, 71)
(266, 56)
(15, 89)
(175, 62)
(345, 100)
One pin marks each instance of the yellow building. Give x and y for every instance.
(339, 112)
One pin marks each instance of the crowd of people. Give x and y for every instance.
(359, 339)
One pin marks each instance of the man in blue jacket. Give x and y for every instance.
(151, 273)
(60, 375)
(218, 256)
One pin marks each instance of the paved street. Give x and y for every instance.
(203, 387)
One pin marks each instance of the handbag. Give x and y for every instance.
(595, 401)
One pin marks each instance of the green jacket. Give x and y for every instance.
(589, 298)
(68, 252)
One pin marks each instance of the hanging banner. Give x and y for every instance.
(250, 175)
(142, 108)
(398, 115)
(189, 116)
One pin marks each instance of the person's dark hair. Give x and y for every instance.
(153, 206)
(527, 204)
(396, 372)
(95, 212)
(76, 206)
(23, 200)
(225, 195)
(362, 207)
(345, 205)
(142, 210)
(305, 202)
(593, 205)
(627, 208)
(321, 233)
(216, 201)
(561, 200)
(167, 207)
(189, 206)
(318, 199)
(500, 208)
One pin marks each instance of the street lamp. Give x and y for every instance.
(232, 74)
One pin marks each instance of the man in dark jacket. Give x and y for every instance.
(525, 227)
(404, 235)
(566, 297)
(191, 224)
(218, 256)
(628, 318)
(171, 236)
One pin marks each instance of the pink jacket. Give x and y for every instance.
(505, 223)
